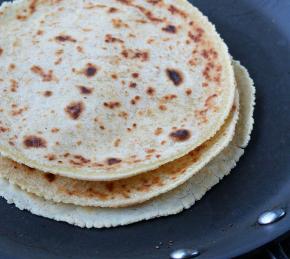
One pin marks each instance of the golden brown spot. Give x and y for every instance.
(66, 154)
(50, 157)
(154, 2)
(209, 101)
(92, 6)
(18, 111)
(65, 38)
(197, 36)
(150, 150)
(113, 10)
(123, 115)
(34, 142)
(46, 77)
(12, 67)
(188, 91)
(32, 6)
(85, 90)
(117, 142)
(49, 177)
(150, 91)
(59, 52)
(112, 105)
(81, 159)
(54, 130)
(204, 84)
(201, 115)
(3, 130)
(13, 85)
(74, 110)
(149, 14)
(162, 107)
(175, 76)
(169, 29)
(132, 85)
(135, 100)
(174, 10)
(1, 51)
(209, 54)
(39, 32)
(180, 135)
(90, 192)
(47, 93)
(118, 23)
(114, 76)
(131, 54)
(234, 108)
(113, 161)
(80, 49)
(135, 75)
(149, 41)
(127, 2)
(158, 131)
(21, 17)
(110, 39)
(169, 97)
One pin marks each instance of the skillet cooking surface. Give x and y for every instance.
(223, 223)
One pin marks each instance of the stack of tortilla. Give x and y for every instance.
(116, 111)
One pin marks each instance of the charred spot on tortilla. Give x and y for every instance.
(150, 91)
(32, 141)
(188, 91)
(75, 109)
(113, 161)
(113, 10)
(112, 105)
(170, 28)
(49, 177)
(132, 85)
(175, 76)
(50, 157)
(46, 76)
(180, 135)
(90, 70)
(174, 10)
(64, 38)
(85, 90)
(47, 93)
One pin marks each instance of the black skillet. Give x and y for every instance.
(223, 224)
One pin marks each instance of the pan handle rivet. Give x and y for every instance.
(271, 216)
(184, 254)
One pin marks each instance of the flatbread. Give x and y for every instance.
(166, 204)
(125, 192)
(142, 84)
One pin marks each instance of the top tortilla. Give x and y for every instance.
(132, 87)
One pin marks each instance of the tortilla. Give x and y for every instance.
(169, 203)
(142, 84)
(124, 192)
